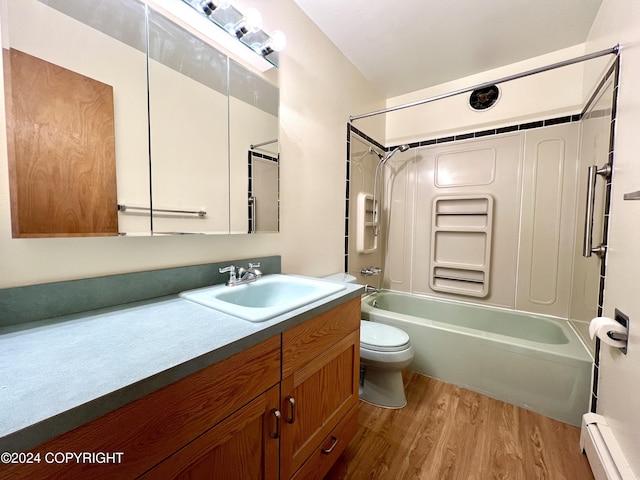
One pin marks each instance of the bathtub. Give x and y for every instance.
(533, 361)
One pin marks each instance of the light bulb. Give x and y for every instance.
(278, 40)
(251, 22)
(275, 43)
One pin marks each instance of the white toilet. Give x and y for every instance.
(384, 352)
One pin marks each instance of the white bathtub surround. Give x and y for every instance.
(530, 175)
(532, 361)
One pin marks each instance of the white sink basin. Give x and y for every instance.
(267, 297)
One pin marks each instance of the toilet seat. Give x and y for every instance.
(379, 337)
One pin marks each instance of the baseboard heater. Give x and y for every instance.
(605, 456)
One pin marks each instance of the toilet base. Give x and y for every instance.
(383, 388)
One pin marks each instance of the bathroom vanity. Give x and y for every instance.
(284, 405)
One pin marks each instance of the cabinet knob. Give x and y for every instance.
(276, 413)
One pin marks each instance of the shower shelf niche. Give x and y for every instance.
(366, 240)
(461, 244)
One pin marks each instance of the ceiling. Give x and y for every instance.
(407, 45)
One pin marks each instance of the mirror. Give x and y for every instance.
(255, 163)
(188, 128)
(86, 130)
(189, 145)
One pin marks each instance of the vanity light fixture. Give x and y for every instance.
(245, 27)
(238, 33)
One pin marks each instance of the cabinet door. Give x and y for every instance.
(244, 447)
(315, 399)
(61, 147)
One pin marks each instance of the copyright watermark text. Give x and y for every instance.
(61, 457)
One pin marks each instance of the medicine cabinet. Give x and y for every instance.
(121, 122)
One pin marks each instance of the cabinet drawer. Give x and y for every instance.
(309, 339)
(323, 458)
(150, 429)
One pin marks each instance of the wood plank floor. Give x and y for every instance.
(447, 432)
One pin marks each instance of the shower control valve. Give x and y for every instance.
(370, 271)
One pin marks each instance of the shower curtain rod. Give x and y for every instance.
(610, 51)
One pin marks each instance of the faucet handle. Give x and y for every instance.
(232, 272)
(253, 269)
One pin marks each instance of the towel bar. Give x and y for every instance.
(124, 208)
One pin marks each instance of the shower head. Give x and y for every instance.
(402, 148)
(374, 151)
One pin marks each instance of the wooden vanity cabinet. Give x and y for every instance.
(320, 380)
(174, 419)
(304, 436)
(284, 408)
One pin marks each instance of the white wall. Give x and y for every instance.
(546, 95)
(319, 89)
(618, 21)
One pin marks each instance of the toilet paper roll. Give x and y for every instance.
(600, 326)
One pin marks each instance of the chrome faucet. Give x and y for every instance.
(371, 289)
(238, 276)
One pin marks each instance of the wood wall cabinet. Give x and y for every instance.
(61, 150)
(285, 408)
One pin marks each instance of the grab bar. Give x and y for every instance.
(587, 247)
(124, 208)
(268, 142)
(463, 213)
(254, 220)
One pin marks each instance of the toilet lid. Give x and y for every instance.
(382, 338)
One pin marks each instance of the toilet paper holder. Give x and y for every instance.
(618, 336)
(622, 319)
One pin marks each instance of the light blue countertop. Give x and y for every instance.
(58, 374)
